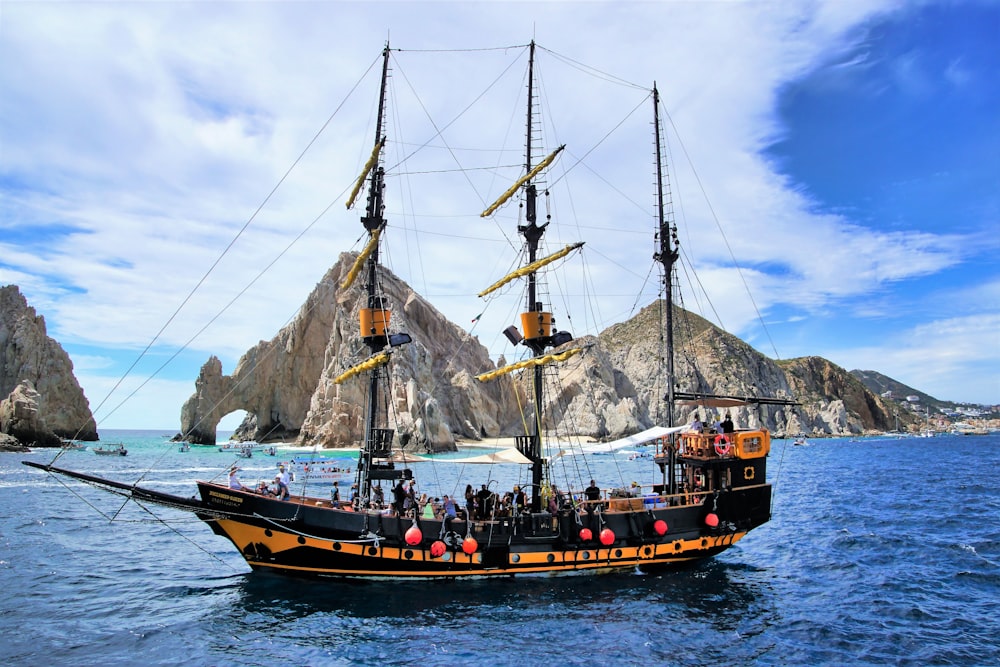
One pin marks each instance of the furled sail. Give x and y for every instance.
(364, 172)
(366, 365)
(362, 258)
(528, 363)
(521, 181)
(531, 268)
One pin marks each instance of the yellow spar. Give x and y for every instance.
(521, 181)
(530, 268)
(378, 360)
(359, 262)
(364, 172)
(535, 361)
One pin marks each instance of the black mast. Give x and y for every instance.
(666, 255)
(377, 441)
(533, 232)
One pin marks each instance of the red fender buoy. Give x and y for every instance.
(469, 545)
(586, 535)
(660, 527)
(607, 537)
(712, 519)
(413, 536)
(438, 549)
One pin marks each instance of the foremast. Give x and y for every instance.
(374, 454)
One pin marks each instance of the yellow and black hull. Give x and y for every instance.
(307, 537)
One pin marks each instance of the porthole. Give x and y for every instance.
(515, 558)
(408, 555)
(585, 555)
(372, 551)
(302, 540)
(268, 533)
(551, 558)
(336, 546)
(618, 553)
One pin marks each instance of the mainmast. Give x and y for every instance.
(537, 332)
(535, 322)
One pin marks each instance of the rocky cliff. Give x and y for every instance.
(710, 360)
(614, 388)
(52, 394)
(286, 384)
(836, 401)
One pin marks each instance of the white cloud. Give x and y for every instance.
(943, 354)
(156, 130)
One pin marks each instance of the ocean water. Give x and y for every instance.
(880, 552)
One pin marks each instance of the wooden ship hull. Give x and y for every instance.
(307, 536)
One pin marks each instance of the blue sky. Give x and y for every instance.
(850, 151)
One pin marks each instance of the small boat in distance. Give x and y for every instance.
(111, 450)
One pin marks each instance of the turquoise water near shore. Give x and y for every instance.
(880, 552)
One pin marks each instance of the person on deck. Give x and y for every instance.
(482, 498)
(520, 500)
(593, 494)
(559, 497)
(696, 424)
(450, 510)
(282, 488)
(727, 424)
(398, 497)
(234, 481)
(470, 502)
(335, 495)
(426, 507)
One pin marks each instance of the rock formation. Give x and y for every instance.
(615, 388)
(286, 384)
(9, 443)
(20, 416)
(835, 401)
(28, 354)
(831, 400)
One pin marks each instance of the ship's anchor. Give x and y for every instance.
(452, 539)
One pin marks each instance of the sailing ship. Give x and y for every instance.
(711, 487)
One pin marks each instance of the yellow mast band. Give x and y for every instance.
(521, 181)
(359, 262)
(531, 268)
(373, 362)
(364, 172)
(536, 361)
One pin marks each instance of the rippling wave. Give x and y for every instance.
(879, 552)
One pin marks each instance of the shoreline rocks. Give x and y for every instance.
(43, 399)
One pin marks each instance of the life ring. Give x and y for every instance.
(722, 444)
